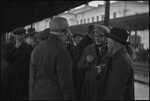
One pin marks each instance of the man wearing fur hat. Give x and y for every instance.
(51, 66)
(119, 81)
(94, 55)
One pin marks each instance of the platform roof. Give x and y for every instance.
(16, 14)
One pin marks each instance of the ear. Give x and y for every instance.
(67, 27)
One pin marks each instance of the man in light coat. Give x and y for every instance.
(51, 66)
(94, 55)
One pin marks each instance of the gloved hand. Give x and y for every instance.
(90, 58)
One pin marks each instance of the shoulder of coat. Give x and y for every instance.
(125, 59)
(91, 46)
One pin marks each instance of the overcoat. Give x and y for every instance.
(78, 75)
(119, 81)
(51, 72)
(18, 71)
(91, 81)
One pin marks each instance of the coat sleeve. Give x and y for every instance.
(64, 72)
(117, 84)
(32, 74)
(81, 46)
(10, 54)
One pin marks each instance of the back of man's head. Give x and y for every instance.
(58, 25)
(90, 29)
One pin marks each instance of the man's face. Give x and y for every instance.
(77, 39)
(66, 34)
(110, 44)
(99, 38)
(91, 35)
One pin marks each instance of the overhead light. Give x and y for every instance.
(66, 12)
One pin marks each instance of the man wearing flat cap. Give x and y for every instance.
(119, 82)
(51, 66)
(93, 55)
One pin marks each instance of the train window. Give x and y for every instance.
(102, 17)
(80, 21)
(84, 20)
(88, 20)
(124, 12)
(97, 18)
(114, 15)
(92, 19)
(77, 22)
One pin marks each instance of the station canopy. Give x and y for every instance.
(16, 14)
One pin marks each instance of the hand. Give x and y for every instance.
(90, 58)
(30, 41)
(99, 67)
(18, 44)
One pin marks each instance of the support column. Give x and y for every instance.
(107, 7)
(135, 39)
(129, 35)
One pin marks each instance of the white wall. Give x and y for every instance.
(41, 25)
(143, 8)
(47, 21)
(118, 7)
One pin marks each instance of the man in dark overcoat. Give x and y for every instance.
(18, 58)
(51, 66)
(78, 75)
(119, 80)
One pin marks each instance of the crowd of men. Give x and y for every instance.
(62, 66)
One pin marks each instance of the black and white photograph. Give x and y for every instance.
(74, 50)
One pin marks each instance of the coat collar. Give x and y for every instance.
(106, 54)
(54, 38)
(119, 52)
